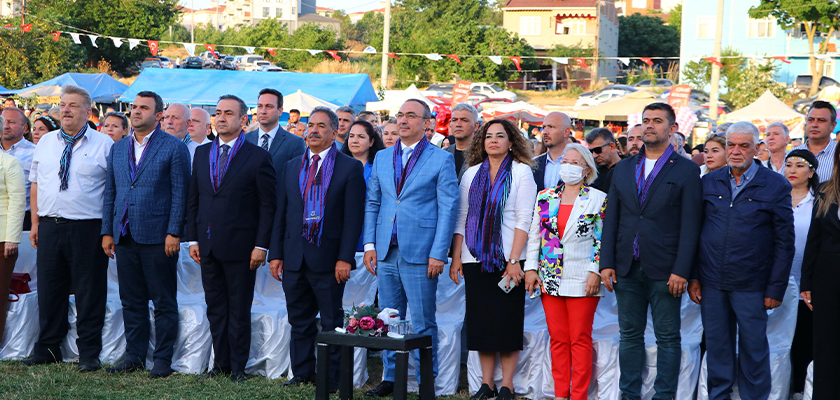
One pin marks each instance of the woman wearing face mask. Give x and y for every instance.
(715, 151)
(563, 265)
(497, 199)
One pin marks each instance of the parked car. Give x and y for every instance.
(192, 62)
(490, 103)
(271, 68)
(654, 83)
(444, 88)
(228, 63)
(804, 105)
(165, 62)
(697, 96)
(802, 85)
(151, 63)
(248, 62)
(603, 97)
(626, 88)
(211, 59)
(492, 90)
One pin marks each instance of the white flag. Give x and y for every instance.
(694, 59)
(624, 60)
(250, 50)
(117, 42)
(560, 60)
(190, 47)
(824, 57)
(75, 38)
(369, 50)
(314, 52)
(434, 57)
(132, 43)
(496, 59)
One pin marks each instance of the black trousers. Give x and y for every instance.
(307, 293)
(826, 301)
(145, 272)
(27, 221)
(229, 292)
(802, 349)
(71, 251)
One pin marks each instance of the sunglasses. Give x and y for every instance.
(599, 149)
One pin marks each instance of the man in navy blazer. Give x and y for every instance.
(282, 145)
(230, 210)
(651, 229)
(314, 268)
(142, 218)
(556, 129)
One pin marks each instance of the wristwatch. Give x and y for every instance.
(514, 261)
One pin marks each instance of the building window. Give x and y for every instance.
(529, 26)
(279, 12)
(706, 28)
(571, 28)
(761, 28)
(266, 12)
(639, 3)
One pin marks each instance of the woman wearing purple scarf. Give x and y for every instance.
(497, 202)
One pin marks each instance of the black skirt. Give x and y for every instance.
(495, 320)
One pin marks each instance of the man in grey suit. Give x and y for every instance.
(272, 138)
(462, 126)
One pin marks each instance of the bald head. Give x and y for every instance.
(199, 126)
(176, 120)
(556, 129)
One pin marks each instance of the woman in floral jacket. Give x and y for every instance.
(562, 263)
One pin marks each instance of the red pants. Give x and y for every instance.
(569, 322)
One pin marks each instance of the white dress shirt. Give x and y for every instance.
(86, 179)
(322, 154)
(801, 224)
(139, 147)
(23, 151)
(271, 134)
(517, 214)
(372, 246)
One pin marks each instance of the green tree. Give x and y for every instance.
(816, 16)
(578, 50)
(675, 18)
(32, 57)
(752, 83)
(646, 36)
(698, 74)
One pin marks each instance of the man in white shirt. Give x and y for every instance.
(777, 138)
(269, 135)
(199, 126)
(68, 182)
(16, 127)
(820, 122)
(176, 122)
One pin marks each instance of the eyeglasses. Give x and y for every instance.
(410, 116)
(599, 149)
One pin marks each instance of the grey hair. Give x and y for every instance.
(73, 89)
(784, 127)
(427, 112)
(330, 114)
(587, 157)
(346, 109)
(467, 107)
(603, 133)
(723, 127)
(744, 127)
(2, 122)
(204, 114)
(243, 108)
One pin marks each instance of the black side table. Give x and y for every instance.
(401, 346)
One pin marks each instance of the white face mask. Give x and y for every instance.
(571, 174)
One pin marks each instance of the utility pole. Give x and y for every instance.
(22, 12)
(593, 76)
(192, 21)
(383, 81)
(713, 103)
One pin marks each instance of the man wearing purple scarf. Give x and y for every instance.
(409, 221)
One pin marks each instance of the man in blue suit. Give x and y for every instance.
(143, 215)
(409, 221)
(282, 145)
(313, 244)
(230, 210)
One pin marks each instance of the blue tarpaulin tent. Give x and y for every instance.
(102, 87)
(204, 87)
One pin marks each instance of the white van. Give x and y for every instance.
(249, 62)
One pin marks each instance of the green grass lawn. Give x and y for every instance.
(62, 381)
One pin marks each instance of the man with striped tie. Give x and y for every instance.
(282, 145)
(176, 122)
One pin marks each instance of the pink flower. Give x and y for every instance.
(379, 323)
(352, 322)
(366, 323)
(351, 330)
(361, 305)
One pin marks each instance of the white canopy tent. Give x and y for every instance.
(766, 110)
(305, 103)
(394, 99)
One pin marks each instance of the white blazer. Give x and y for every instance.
(581, 243)
(516, 215)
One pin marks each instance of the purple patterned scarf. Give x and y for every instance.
(218, 169)
(486, 209)
(399, 174)
(315, 201)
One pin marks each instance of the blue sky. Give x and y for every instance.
(349, 5)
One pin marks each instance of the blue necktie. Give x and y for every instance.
(406, 154)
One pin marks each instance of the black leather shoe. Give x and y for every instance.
(38, 360)
(160, 370)
(384, 389)
(89, 365)
(297, 381)
(484, 393)
(238, 377)
(505, 394)
(211, 374)
(125, 366)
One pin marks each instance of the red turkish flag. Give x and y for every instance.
(55, 35)
(516, 60)
(26, 28)
(272, 52)
(211, 47)
(581, 62)
(153, 46)
(647, 60)
(393, 55)
(714, 61)
(454, 57)
(782, 59)
(7, 26)
(334, 54)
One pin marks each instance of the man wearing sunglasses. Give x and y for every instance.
(603, 147)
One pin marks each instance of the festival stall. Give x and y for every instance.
(766, 110)
(519, 111)
(102, 88)
(617, 110)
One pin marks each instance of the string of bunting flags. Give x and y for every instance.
(154, 46)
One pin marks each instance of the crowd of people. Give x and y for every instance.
(639, 214)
